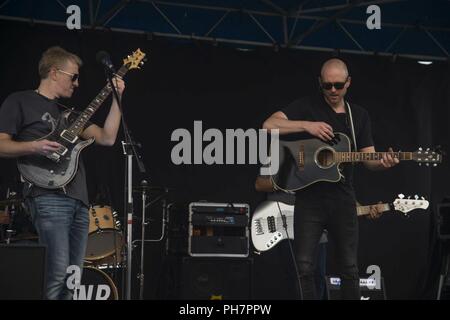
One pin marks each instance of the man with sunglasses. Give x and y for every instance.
(324, 204)
(59, 216)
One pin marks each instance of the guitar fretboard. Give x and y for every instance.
(367, 156)
(364, 210)
(78, 125)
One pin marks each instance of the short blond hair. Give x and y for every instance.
(56, 57)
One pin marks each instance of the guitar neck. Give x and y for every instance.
(367, 156)
(365, 210)
(78, 125)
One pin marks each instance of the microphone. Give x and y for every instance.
(104, 59)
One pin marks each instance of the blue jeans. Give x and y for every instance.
(63, 225)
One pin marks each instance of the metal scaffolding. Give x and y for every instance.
(321, 25)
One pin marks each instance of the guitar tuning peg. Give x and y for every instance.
(428, 149)
(422, 198)
(401, 195)
(409, 197)
(420, 164)
(434, 164)
(427, 164)
(420, 149)
(416, 197)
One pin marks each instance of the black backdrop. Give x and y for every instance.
(228, 88)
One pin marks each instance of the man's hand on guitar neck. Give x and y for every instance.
(106, 135)
(119, 84)
(375, 211)
(386, 162)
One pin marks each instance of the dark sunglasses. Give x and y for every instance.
(74, 76)
(330, 85)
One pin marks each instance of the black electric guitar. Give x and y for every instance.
(56, 170)
(267, 225)
(315, 160)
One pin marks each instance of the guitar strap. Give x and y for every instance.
(352, 128)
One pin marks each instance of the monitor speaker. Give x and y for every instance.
(22, 272)
(216, 278)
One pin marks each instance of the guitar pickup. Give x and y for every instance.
(62, 151)
(271, 224)
(68, 136)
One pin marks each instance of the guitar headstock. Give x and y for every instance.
(430, 157)
(135, 61)
(405, 205)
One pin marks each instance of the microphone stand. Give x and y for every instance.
(129, 150)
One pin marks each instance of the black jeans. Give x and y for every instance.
(338, 216)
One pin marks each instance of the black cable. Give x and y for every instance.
(122, 251)
(294, 261)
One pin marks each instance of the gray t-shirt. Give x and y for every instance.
(26, 116)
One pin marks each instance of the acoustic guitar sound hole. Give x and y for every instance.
(325, 158)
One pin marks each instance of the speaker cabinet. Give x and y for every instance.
(22, 272)
(368, 287)
(216, 278)
(443, 221)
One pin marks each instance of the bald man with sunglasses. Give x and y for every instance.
(326, 205)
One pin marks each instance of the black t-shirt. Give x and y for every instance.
(26, 116)
(315, 108)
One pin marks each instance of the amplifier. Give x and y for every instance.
(369, 289)
(218, 229)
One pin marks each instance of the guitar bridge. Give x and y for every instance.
(56, 156)
(258, 227)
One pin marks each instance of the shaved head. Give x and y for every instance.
(333, 73)
(335, 65)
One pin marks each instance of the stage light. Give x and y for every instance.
(244, 49)
(426, 63)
